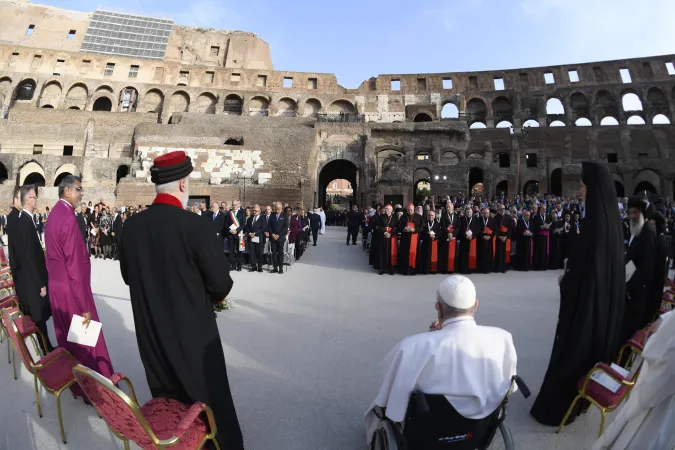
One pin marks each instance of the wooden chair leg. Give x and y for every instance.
(58, 410)
(37, 396)
(569, 411)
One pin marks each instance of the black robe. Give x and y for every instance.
(387, 263)
(175, 267)
(29, 269)
(564, 241)
(463, 263)
(10, 229)
(642, 252)
(502, 248)
(486, 245)
(660, 273)
(407, 263)
(592, 293)
(445, 244)
(375, 242)
(555, 260)
(572, 238)
(541, 241)
(524, 250)
(425, 263)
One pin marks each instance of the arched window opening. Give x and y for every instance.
(531, 123)
(660, 119)
(450, 111)
(554, 106)
(635, 120)
(531, 188)
(26, 90)
(557, 123)
(35, 178)
(422, 117)
(504, 124)
(609, 121)
(583, 122)
(122, 172)
(102, 104)
(631, 102)
(477, 126)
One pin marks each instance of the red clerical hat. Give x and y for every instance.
(170, 167)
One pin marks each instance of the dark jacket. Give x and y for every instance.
(278, 226)
(219, 222)
(314, 221)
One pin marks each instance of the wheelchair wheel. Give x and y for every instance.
(385, 437)
(503, 439)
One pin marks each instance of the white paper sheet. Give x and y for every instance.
(469, 233)
(78, 334)
(630, 270)
(605, 381)
(233, 227)
(255, 239)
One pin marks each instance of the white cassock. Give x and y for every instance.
(471, 365)
(323, 222)
(647, 420)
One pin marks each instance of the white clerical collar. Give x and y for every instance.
(457, 319)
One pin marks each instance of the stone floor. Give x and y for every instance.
(303, 352)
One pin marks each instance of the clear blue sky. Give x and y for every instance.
(357, 39)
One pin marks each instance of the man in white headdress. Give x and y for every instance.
(471, 365)
(323, 221)
(645, 421)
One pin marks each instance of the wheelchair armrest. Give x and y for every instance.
(521, 385)
(420, 401)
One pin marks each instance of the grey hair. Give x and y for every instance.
(25, 189)
(450, 311)
(68, 182)
(168, 188)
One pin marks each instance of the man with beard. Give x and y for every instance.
(485, 242)
(641, 256)
(554, 259)
(502, 223)
(468, 248)
(175, 268)
(430, 235)
(409, 227)
(541, 239)
(448, 241)
(387, 227)
(525, 250)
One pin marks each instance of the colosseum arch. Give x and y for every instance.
(50, 95)
(554, 107)
(606, 105)
(31, 173)
(5, 88)
(104, 88)
(25, 91)
(206, 103)
(128, 99)
(449, 158)
(387, 157)
(476, 111)
(311, 108)
(341, 107)
(287, 107)
(580, 106)
(102, 103)
(449, 111)
(631, 101)
(152, 101)
(179, 102)
(76, 97)
(502, 109)
(656, 99)
(258, 106)
(65, 170)
(647, 180)
(233, 105)
(423, 117)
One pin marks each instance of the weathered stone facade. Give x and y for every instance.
(216, 96)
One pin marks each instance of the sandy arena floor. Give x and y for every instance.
(303, 352)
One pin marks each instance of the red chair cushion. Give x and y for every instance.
(59, 372)
(25, 325)
(601, 394)
(164, 416)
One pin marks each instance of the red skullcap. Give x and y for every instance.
(169, 159)
(410, 204)
(170, 167)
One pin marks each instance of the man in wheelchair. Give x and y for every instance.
(447, 378)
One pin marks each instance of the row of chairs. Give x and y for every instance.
(603, 398)
(159, 423)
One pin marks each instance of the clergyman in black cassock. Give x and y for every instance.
(409, 227)
(541, 239)
(448, 241)
(524, 249)
(175, 269)
(30, 270)
(376, 239)
(555, 232)
(10, 228)
(503, 225)
(485, 242)
(388, 250)
(431, 236)
(641, 252)
(592, 293)
(468, 248)
(660, 267)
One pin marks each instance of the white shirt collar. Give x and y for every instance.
(457, 319)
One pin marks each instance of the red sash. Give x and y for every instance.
(472, 254)
(452, 246)
(503, 229)
(394, 247)
(434, 255)
(412, 254)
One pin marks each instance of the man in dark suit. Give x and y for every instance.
(234, 226)
(116, 231)
(277, 227)
(83, 220)
(30, 269)
(217, 218)
(354, 219)
(255, 229)
(315, 224)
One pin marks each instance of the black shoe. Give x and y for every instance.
(381, 273)
(252, 269)
(274, 270)
(259, 268)
(314, 245)
(281, 271)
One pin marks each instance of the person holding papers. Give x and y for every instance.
(175, 268)
(234, 229)
(255, 227)
(69, 271)
(592, 295)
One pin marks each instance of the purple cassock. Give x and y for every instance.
(70, 293)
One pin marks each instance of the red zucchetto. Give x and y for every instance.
(170, 167)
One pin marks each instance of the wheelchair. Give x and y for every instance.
(431, 423)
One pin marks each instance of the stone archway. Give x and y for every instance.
(337, 169)
(476, 178)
